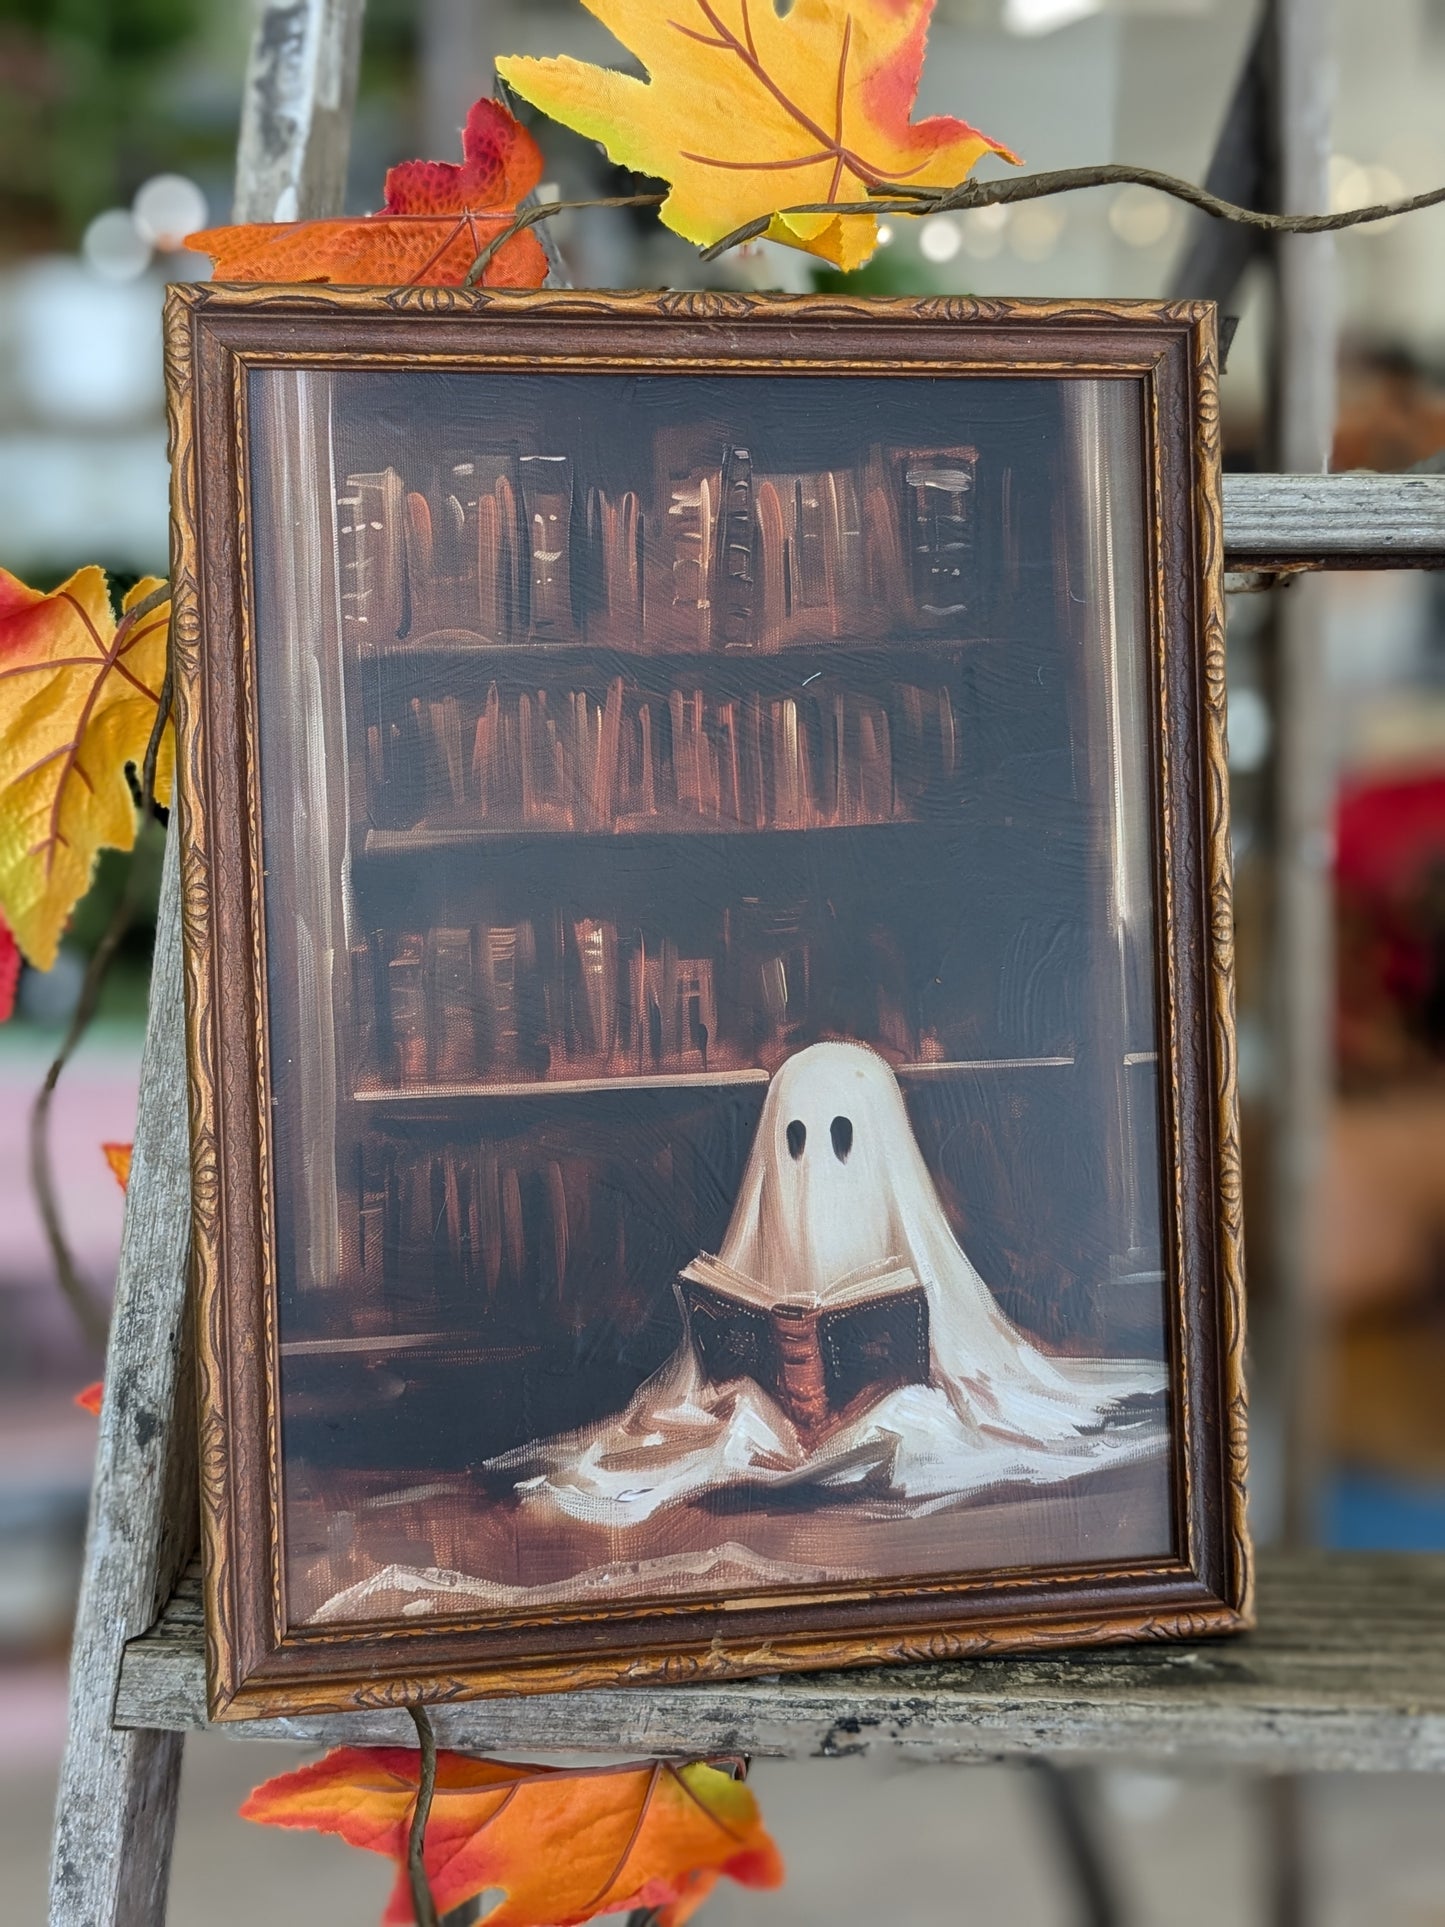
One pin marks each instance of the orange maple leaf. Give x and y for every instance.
(117, 1156)
(78, 695)
(693, 1890)
(437, 219)
(747, 111)
(561, 1844)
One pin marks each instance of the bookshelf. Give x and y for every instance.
(682, 1080)
(658, 737)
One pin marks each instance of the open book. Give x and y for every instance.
(819, 1354)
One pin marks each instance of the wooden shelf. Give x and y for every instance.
(944, 1066)
(562, 1086)
(459, 645)
(423, 839)
(375, 1344)
(1345, 1672)
(664, 1081)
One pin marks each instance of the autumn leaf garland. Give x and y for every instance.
(746, 111)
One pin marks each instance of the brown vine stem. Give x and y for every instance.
(528, 217)
(915, 202)
(919, 201)
(423, 1903)
(90, 1314)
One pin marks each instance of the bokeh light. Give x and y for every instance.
(1140, 217)
(114, 247)
(167, 208)
(1035, 229)
(940, 239)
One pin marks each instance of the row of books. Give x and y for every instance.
(458, 1004)
(718, 553)
(452, 1230)
(570, 759)
(568, 996)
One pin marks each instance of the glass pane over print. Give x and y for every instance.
(709, 924)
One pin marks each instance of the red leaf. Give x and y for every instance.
(502, 164)
(9, 969)
(438, 217)
(89, 1399)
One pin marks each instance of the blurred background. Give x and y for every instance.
(118, 122)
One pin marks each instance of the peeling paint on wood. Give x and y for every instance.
(1334, 521)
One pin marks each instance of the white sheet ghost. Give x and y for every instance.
(836, 1181)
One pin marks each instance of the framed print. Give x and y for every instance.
(709, 984)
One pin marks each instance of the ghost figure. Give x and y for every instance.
(835, 1182)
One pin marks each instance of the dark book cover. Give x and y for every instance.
(822, 1356)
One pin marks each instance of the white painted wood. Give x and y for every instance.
(1346, 1672)
(1390, 521)
(296, 110)
(115, 1810)
(116, 1803)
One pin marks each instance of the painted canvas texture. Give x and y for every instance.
(711, 1015)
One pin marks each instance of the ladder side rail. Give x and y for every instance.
(116, 1803)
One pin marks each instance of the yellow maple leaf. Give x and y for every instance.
(78, 696)
(746, 111)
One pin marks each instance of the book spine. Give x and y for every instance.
(363, 1011)
(736, 593)
(454, 1052)
(515, 584)
(408, 1010)
(692, 517)
(499, 959)
(492, 588)
(939, 491)
(800, 1368)
(602, 802)
(810, 520)
(369, 550)
(547, 492)
(646, 769)
(596, 945)
(420, 562)
(772, 541)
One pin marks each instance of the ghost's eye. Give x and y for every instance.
(841, 1130)
(797, 1136)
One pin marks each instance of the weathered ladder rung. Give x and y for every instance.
(1356, 521)
(1347, 1670)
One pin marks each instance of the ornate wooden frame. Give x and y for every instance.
(255, 1666)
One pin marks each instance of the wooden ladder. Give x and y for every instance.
(1347, 1669)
